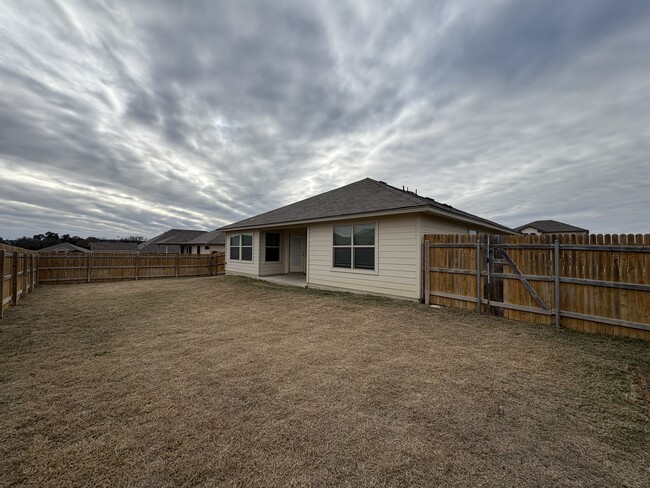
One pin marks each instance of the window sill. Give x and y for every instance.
(372, 272)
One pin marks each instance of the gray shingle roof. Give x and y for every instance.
(552, 226)
(182, 236)
(114, 246)
(64, 246)
(364, 196)
(157, 238)
(214, 237)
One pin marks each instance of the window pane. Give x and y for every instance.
(272, 239)
(246, 253)
(272, 254)
(342, 234)
(234, 253)
(342, 257)
(234, 240)
(364, 235)
(364, 258)
(246, 240)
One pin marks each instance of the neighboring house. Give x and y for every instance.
(363, 237)
(185, 241)
(181, 238)
(550, 227)
(205, 243)
(151, 245)
(112, 246)
(65, 247)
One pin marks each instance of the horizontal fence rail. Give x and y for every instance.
(591, 283)
(18, 275)
(58, 268)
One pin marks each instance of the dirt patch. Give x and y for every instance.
(232, 382)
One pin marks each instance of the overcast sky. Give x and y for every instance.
(121, 118)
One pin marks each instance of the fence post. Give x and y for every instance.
(137, 270)
(36, 268)
(30, 284)
(427, 272)
(478, 275)
(2, 282)
(14, 277)
(556, 288)
(24, 275)
(176, 273)
(88, 268)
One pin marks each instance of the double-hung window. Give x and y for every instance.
(241, 247)
(354, 246)
(272, 247)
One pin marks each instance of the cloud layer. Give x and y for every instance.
(121, 118)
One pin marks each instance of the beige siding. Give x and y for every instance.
(397, 249)
(248, 268)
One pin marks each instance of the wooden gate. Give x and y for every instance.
(592, 283)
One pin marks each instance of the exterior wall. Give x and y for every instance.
(211, 248)
(201, 248)
(247, 268)
(530, 230)
(397, 248)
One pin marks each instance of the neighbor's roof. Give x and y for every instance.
(151, 245)
(159, 237)
(114, 246)
(362, 197)
(181, 237)
(212, 237)
(64, 246)
(551, 226)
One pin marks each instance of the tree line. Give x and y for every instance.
(40, 241)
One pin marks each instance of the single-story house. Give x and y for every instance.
(113, 246)
(185, 241)
(550, 227)
(363, 237)
(151, 245)
(205, 243)
(182, 239)
(64, 247)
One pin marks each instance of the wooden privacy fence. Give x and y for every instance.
(18, 269)
(58, 268)
(590, 283)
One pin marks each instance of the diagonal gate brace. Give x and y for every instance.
(523, 280)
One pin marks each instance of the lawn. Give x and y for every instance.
(232, 382)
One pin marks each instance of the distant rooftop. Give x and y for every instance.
(62, 247)
(552, 227)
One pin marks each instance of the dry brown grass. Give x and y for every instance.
(225, 381)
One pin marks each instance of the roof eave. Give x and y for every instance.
(400, 211)
(469, 220)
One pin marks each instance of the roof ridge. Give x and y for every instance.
(402, 193)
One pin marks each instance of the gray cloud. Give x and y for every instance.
(119, 118)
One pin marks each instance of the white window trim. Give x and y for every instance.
(252, 246)
(279, 246)
(352, 269)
